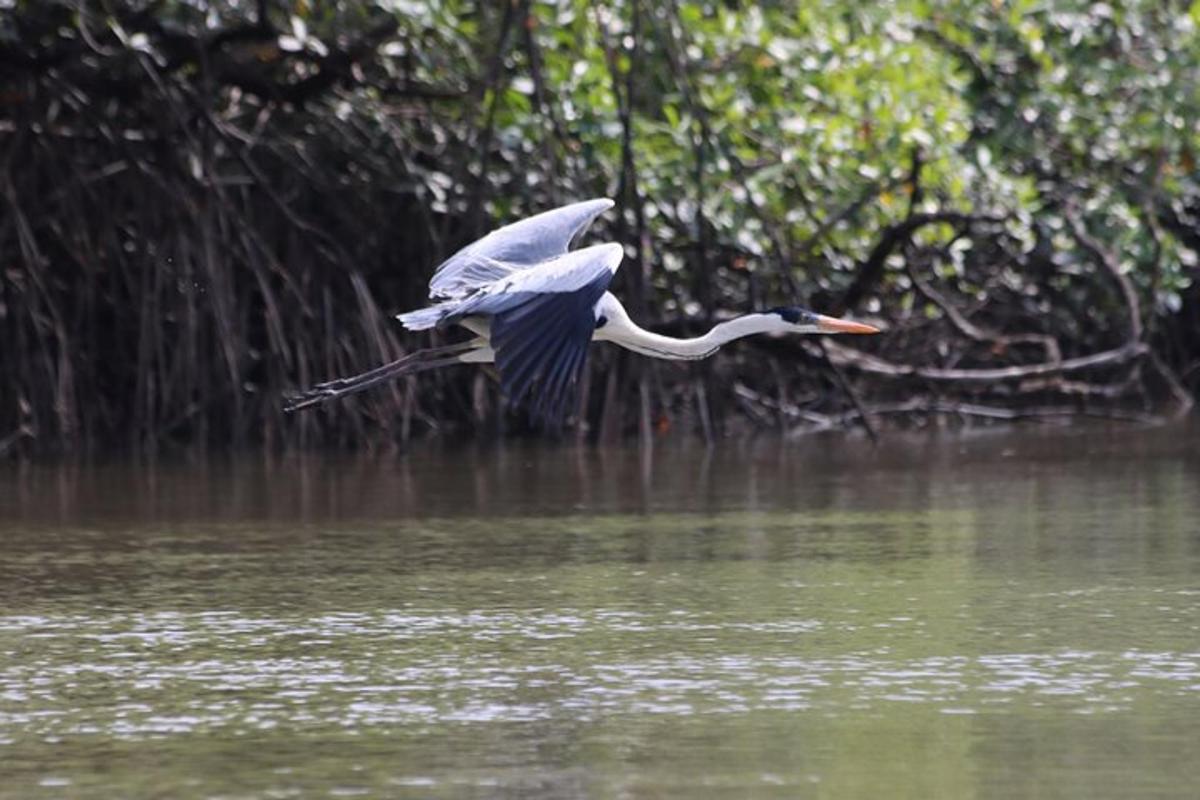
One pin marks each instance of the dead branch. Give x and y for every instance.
(870, 271)
(963, 325)
(1037, 413)
(864, 362)
(1109, 261)
(848, 390)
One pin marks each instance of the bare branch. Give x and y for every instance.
(864, 362)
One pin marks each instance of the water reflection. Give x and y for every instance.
(967, 617)
(433, 480)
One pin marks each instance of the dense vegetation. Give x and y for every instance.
(206, 204)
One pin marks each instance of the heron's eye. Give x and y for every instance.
(788, 314)
(601, 321)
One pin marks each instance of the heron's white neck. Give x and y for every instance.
(620, 329)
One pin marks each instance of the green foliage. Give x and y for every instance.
(781, 115)
(783, 135)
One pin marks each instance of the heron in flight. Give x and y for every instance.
(534, 305)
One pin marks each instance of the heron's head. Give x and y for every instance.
(801, 320)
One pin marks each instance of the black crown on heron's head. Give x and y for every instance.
(794, 315)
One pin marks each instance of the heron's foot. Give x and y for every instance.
(333, 386)
(308, 398)
(430, 358)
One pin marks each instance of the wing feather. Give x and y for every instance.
(563, 275)
(542, 320)
(532, 349)
(514, 247)
(529, 348)
(557, 393)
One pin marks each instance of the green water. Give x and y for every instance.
(999, 616)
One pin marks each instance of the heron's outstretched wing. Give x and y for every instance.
(542, 319)
(513, 248)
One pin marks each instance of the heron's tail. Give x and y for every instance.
(425, 318)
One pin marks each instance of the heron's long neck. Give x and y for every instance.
(640, 340)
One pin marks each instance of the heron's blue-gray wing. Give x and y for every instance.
(542, 320)
(514, 247)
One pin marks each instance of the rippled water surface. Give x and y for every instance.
(997, 616)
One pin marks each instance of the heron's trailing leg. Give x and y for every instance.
(421, 360)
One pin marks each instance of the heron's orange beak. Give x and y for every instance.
(834, 325)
